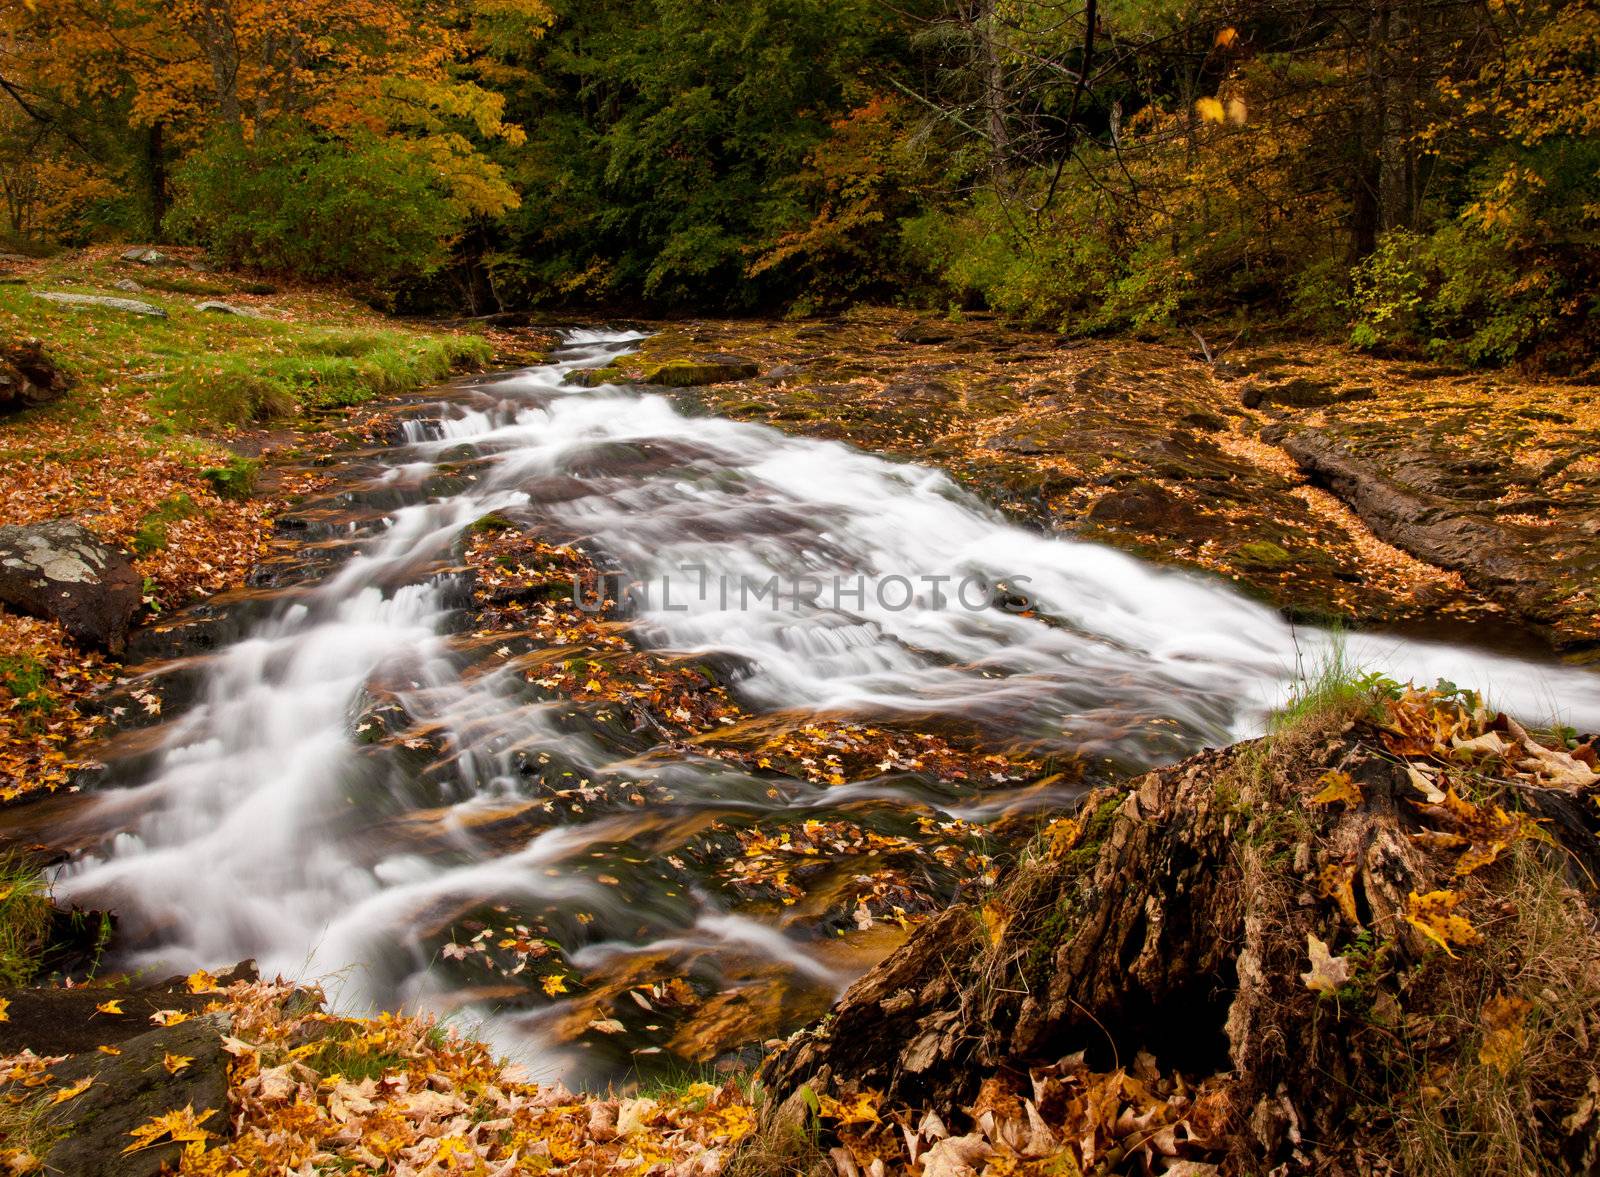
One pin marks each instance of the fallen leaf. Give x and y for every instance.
(1504, 1035)
(1433, 915)
(179, 1126)
(176, 1062)
(74, 1091)
(1337, 786)
(109, 1007)
(1328, 972)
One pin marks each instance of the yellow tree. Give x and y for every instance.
(335, 67)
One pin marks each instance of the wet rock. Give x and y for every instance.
(134, 1087)
(595, 377)
(131, 305)
(1146, 507)
(145, 256)
(921, 390)
(1035, 438)
(227, 308)
(1264, 554)
(1208, 422)
(1435, 529)
(717, 369)
(28, 377)
(925, 331)
(61, 571)
(1298, 393)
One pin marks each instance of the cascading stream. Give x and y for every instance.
(265, 829)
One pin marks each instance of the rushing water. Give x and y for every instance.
(264, 825)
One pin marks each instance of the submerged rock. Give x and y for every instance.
(61, 571)
(131, 305)
(28, 377)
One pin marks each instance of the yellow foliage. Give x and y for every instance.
(1434, 916)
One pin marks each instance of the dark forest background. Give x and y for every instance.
(1412, 177)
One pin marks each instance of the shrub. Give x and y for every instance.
(367, 211)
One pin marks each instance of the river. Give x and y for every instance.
(267, 822)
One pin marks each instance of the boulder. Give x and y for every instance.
(132, 1088)
(145, 256)
(711, 370)
(28, 377)
(131, 305)
(59, 570)
(128, 286)
(227, 308)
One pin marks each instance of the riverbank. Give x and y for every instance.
(159, 442)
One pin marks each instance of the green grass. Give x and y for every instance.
(340, 1055)
(1332, 685)
(199, 372)
(152, 533)
(24, 919)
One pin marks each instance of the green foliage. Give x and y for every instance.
(235, 478)
(370, 211)
(666, 142)
(25, 677)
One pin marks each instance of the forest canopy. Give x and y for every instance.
(1413, 177)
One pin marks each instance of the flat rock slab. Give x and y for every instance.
(132, 1088)
(131, 306)
(60, 571)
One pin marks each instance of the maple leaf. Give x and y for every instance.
(1337, 786)
(1484, 832)
(1328, 972)
(201, 981)
(1337, 883)
(112, 1007)
(1434, 916)
(861, 1108)
(553, 984)
(182, 1126)
(175, 1062)
(168, 1017)
(111, 1050)
(1504, 1035)
(74, 1091)
(5, 1004)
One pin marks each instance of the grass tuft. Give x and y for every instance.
(24, 919)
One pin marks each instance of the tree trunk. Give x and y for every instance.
(1173, 920)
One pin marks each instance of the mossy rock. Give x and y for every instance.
(1263, 553)
(595, 377)
(711, 370)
